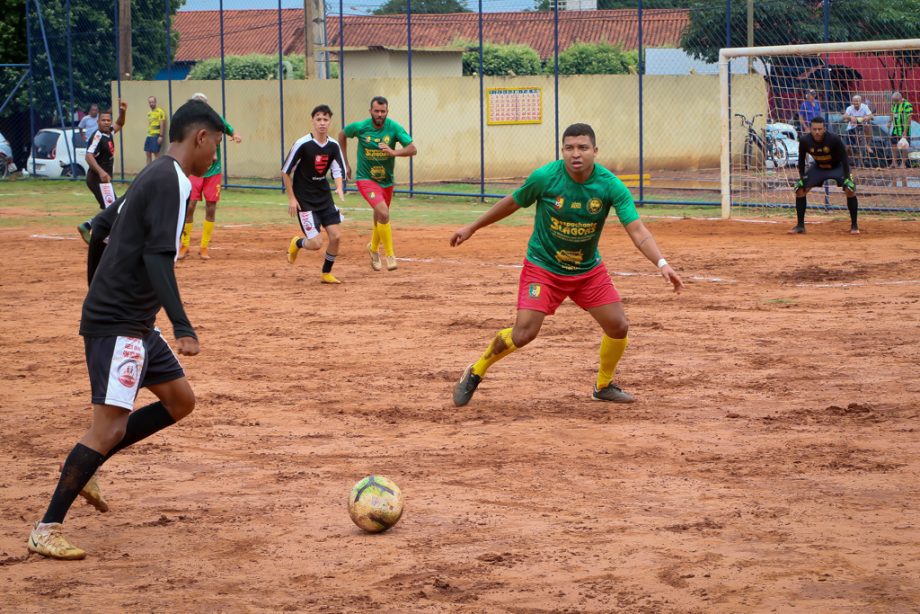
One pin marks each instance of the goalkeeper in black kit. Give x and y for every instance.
(830, 162)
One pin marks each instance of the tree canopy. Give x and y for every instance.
(399, 7)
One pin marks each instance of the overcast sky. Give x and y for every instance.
(349, 7)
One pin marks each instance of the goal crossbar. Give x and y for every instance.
(727, 54)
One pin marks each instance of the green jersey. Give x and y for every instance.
(900, 118)
(570, 216)
(373, 163)
(215, 167)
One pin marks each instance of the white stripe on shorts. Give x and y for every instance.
(309, 226)
(125, 372)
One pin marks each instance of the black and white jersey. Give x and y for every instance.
(307, 164)
(135, 276)
(102, 147)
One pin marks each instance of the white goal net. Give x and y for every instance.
(867, 92)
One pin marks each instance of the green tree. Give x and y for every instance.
(12, 32)
(253, 67)
(596, 59)
(503, 60)
(399, 7)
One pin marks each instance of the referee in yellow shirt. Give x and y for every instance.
(156, 130)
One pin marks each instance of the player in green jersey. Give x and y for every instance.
(573, 197)
(377, 138)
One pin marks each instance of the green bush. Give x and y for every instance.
(503, 61)
(596, 59)
(254, 67)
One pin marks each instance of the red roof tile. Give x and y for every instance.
(256, 31)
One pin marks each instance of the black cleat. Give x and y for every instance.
(854, 229)
(465, 388)
(797, 230)
(612, 392)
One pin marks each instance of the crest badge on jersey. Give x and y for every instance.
(321, 162)
(595, 205)
(560, 202)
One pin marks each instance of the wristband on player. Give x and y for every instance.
(662, 262)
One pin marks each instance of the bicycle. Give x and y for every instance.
(759, 149)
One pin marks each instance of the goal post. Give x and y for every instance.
(759, 156)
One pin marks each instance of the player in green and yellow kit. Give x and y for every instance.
(573, 197)
(377, 139)
(207, 186)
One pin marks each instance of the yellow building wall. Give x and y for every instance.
(681, 118)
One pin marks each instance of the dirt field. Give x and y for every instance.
(771, 463)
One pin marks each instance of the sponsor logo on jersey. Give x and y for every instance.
(128, 372)
(569, 256)
(386, 139)
(575, 206)
(560, 202)
(534, 290)
(595, 205)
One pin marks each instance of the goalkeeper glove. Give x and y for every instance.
(849, 184)
(800, 184)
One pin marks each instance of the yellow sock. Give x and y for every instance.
(611, 353)
(386, 237)
(206, 233)
(375, 239)
(501, 346)
(186, 234)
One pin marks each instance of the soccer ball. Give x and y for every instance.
(375, 504)
(903, 144)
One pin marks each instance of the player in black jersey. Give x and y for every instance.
(830, 163)
(100, 156)
(124, 350)
(309, 197)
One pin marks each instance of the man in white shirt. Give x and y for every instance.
(859, 123)
(90, 123)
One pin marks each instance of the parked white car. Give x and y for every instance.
(789, 137)
(55, 154)
(6, 157)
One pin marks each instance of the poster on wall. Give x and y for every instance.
(514, 105)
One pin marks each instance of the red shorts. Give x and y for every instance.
(541, 290)
(209, 187)
(373, 193)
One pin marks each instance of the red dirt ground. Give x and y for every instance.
(770, 463)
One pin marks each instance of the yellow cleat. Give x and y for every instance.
(328, 278)
(48, 540)
(183, 252)
(203, 253)
(293, 250)
(93, 495)
(375, 258)
(391, 263)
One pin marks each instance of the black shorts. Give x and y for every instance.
(815, 176)
(312, 221)
(92, 182)
(120, 366)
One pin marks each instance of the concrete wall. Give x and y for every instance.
(681, 120)
(373, 64)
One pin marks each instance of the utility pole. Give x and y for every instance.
(314, 17)
(125, 64)
(750, 32)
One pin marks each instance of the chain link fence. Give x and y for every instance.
(485, 89)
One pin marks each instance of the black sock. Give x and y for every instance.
(143, 423)
(88, 224)
(79, 467)
(300, 243)
(800, 204)
(853, 206)
(328, 262)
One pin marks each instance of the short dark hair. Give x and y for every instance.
(817, 119)
(580, 130)
(106, 112)
(321, 108)
(379, 100)
(191, 115)
(93, 105)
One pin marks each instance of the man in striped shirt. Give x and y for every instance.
(901, 113)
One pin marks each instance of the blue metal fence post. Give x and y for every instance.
(73, 174)
(223, 90)
(556, 72)
(121, 145)
(409, 40)
(31, 87)
(169, 56)
(827, 30)
(342, 62)
(728, 43)
(482, 127)
(641, 115)
(280, 88)
(54, 86)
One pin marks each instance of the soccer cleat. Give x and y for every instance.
(48, 540)
(854, 229)
(203, 253)
(375, 258)
(797, 230)
(391, 263)
(293, 250)
(328, 278)
(183, 252)
(612, 392)
(464, 389)
(84, 229)
(93, 495)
